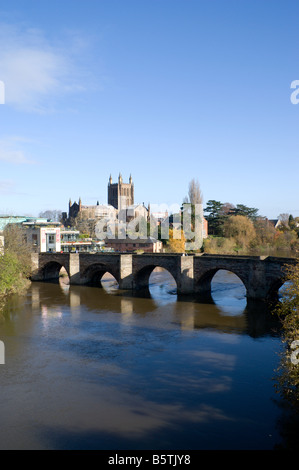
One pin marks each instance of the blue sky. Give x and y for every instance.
(167, 90)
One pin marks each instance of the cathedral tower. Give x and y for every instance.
(120, 194)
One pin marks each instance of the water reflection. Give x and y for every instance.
(230, 312)
(105, 369)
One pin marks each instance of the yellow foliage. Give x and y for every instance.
(176, 243)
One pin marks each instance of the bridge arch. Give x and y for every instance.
(273, 291)
(51, 271)
(142, 276)
(203, 284)
(94, 273)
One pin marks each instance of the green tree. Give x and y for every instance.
(241, 209)
(215, 217)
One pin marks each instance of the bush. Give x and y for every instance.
(15, 264)
(288, 312)
(12, 278)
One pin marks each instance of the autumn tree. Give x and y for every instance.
(288, 312)
(241, 229)
(176, 242)
(265, 231)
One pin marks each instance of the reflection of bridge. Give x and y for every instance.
(262, 277)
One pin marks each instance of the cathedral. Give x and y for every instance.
(120, 196)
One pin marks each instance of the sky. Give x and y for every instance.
(165, 90)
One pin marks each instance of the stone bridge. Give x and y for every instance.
(261, 276)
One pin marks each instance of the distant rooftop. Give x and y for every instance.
(18, 219)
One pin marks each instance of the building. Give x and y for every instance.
(120, 198)
(98, 211)
(148, 245)
(72, 243)
(275, 222)
(43, 236)
(120, 194)
(136, 211)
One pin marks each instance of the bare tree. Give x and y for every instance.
(54, 215)
(195, 194)
(284, 219)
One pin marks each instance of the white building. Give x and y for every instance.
(43, 236)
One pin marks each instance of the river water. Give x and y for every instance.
(97, 368)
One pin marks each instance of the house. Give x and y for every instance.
(148, 245)
(275, 222)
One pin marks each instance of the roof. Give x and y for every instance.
(130, 240)
(18, 219)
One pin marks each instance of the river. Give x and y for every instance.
(96, 368)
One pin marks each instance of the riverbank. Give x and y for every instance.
(14, 276)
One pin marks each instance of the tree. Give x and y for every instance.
(241, 209)
(15, 264)
(54, 215)
(241, 229)
(176, 242)
(265, 231)
(195, 194)
(15, 242)
(288, 312)
(227, 209)
(284, 219)
(215, 217)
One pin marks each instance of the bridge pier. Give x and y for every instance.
(36, 274)
(74, 269)
(185, 278)
(126, 272)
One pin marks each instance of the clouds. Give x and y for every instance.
(37, 71)
(10, 152)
